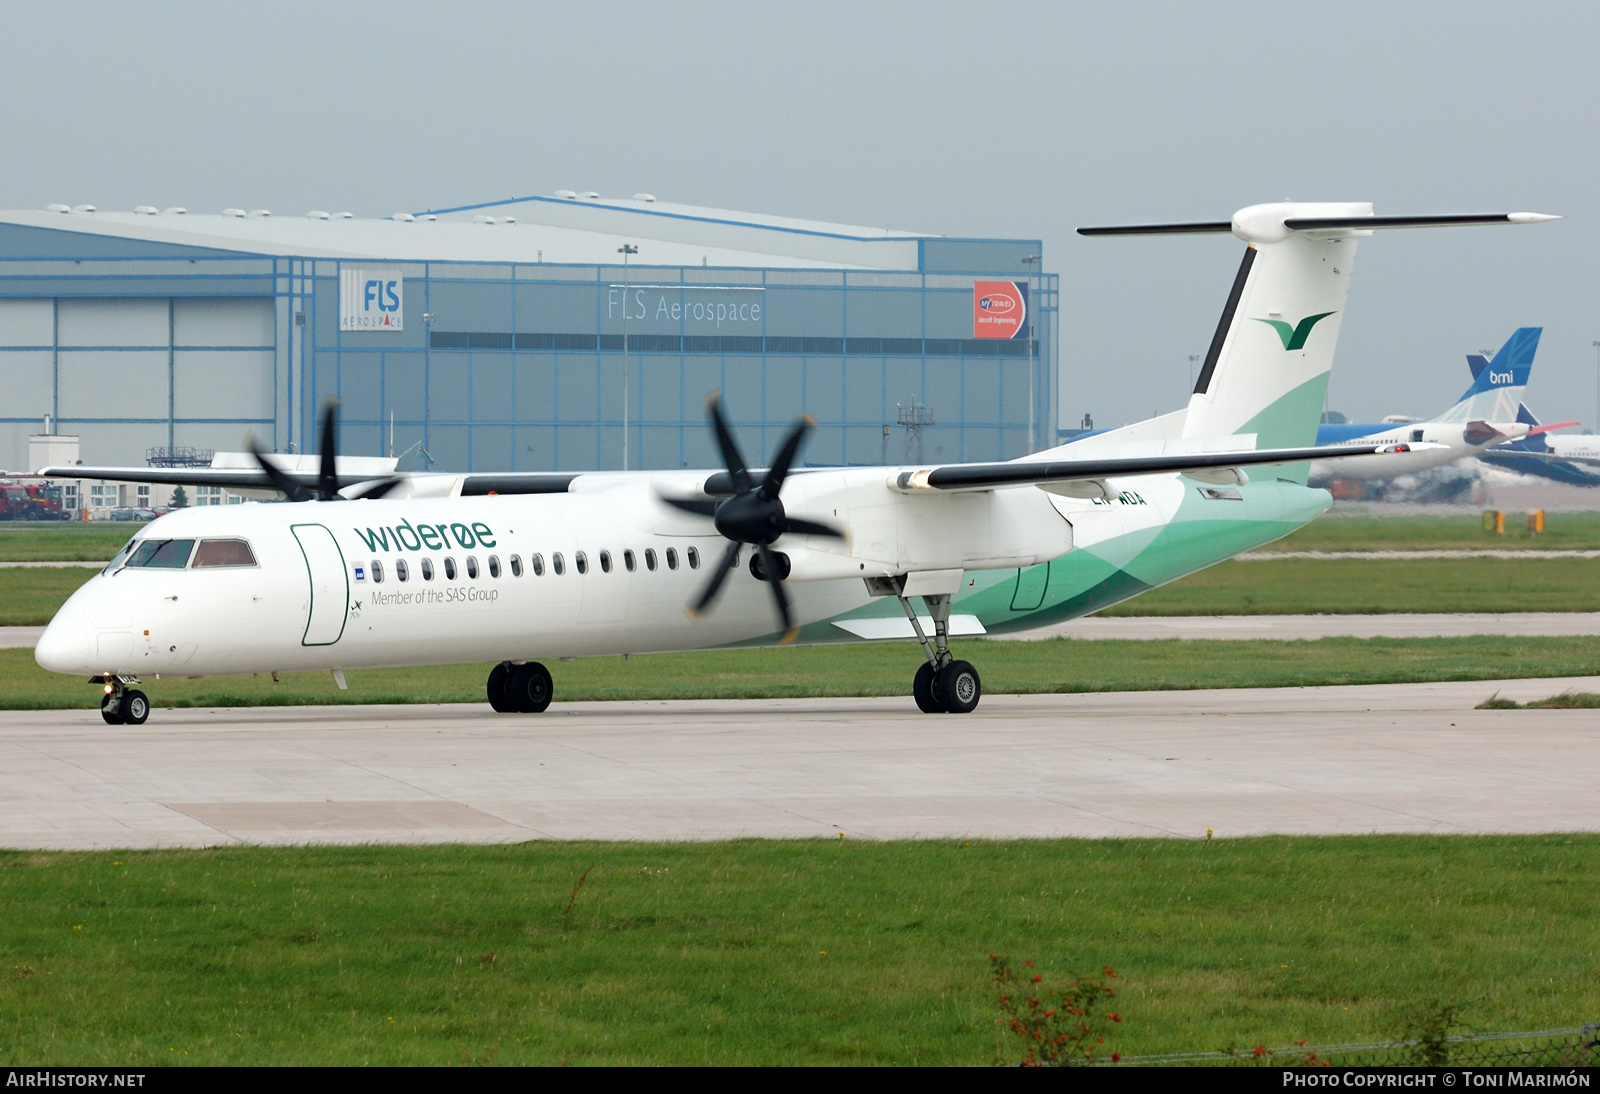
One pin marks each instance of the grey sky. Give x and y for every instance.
(968, 119)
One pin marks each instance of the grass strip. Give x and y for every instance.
(65, 541)
(29, 598)
(1567, 700)
(1337, 531)
(776, 952)
(1056, 665)
(1299, 586)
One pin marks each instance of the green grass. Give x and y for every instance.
(1338, 532)
(1357, 587)
(1567, 700)
(1057, 665)
(760, 952)
(65, 541)
(30, 597)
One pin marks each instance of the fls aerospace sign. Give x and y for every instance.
(999, 309)
(370, 299)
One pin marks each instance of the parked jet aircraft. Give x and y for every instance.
(1484, 416)
(369, 570)
(1573, 460)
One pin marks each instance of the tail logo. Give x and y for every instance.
(1295, 337)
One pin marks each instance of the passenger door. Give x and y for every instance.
(330, 585)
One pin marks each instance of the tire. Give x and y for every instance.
(134, 708)
(958, 687)
(531, 688)
(110, 710)
(499, 689)
(922, 691)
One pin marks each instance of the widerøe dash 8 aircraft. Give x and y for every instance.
(377, 570)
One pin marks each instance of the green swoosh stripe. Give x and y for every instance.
(1295, 337)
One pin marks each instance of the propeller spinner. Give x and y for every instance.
(753, 515)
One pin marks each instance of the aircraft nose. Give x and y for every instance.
(64, 646)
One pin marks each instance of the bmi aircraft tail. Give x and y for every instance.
(1266, 372)
(1498, 384)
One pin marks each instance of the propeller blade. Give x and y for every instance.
(786, 454)
(714, 586)
(730, 449)
(797, 527)
(291, 489)
(375, 489)
(328, 473)
(703, 507)
(770, 566)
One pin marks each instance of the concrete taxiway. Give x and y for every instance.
(1395, 758)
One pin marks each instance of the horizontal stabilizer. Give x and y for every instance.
(1448, 220)
(1201, 228)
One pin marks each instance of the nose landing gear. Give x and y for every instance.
(122, 703)
(520, 689)
(942, 683)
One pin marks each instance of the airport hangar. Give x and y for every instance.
(492, 337)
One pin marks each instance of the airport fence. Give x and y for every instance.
(1576, 1047)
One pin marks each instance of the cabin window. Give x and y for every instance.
(427, 569)
(672, 558)
(516, 565)
(649, 558)
(162, 554)
(537, 562)
(377, 572)
(472, 567)
(449, 568)
(494, 565)
(693, 554)
(558, 564)
(629, 561)
(402, 572)
(224, 552)
(120, 556)
(581, 561)
(605, 562)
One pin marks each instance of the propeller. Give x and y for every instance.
(327, 485)
(753, 515)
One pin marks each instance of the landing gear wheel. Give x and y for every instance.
(530, 688)
(922, 691)
(134, 708)
(111, 709)
(499, 688)
(958, 687)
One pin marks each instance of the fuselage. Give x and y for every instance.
(607, 568)
(1458, 440)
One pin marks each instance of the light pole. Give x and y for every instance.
(1032, 262)
(1596, 426)
(625, 250)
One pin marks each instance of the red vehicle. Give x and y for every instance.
(33, 502)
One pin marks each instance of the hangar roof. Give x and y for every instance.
(582, 230)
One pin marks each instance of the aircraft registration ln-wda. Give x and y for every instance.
(367, 570)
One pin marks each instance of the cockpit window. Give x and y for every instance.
(166, 554)
(121, 556)
(224, 552)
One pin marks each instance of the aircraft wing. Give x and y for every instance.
(234, 477)
(1206, 466)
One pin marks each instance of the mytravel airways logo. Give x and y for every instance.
(1295, 337)
(999, 309)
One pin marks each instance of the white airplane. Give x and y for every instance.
(362, 571)
(1487, 414)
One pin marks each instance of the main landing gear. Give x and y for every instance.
(942, 684)
(520, 689)
(123, 705)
